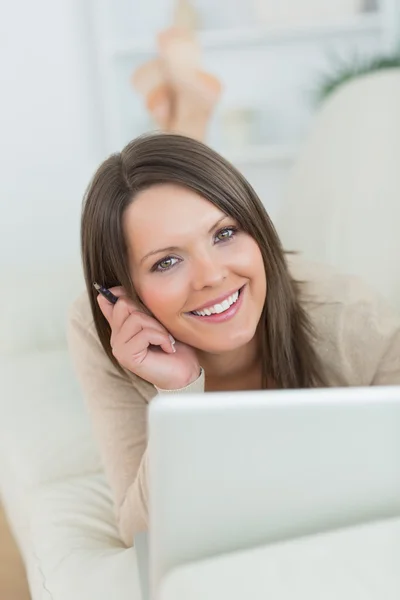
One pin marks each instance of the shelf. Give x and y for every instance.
(262, 154)
(368, 23)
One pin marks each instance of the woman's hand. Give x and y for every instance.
(144, 347)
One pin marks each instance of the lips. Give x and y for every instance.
(223, 315)
(219, 300)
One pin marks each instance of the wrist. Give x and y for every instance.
(197, 375)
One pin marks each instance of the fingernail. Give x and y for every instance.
(172, 339)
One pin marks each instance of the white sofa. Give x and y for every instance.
(342, 203)
(60, 507)
(51, 480)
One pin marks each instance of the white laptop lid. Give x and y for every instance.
(234, 470)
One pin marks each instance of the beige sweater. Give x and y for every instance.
(358, 341)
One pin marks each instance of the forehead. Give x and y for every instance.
(169, 202)
(164, 215)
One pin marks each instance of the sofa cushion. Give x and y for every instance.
(45, 434)
(341, 205)
(34, 316)
(76, 550)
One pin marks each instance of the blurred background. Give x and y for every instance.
(67, 100)
(310, 112)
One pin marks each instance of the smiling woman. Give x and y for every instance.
(207, 300)
(210, 258)
(186, 231)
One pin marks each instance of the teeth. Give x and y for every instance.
(218, 308)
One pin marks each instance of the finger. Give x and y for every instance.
(154, 337)
(105, 305)
(118, 291)
(155, 334)
(136, 350)
(121, 311)
(134, 323)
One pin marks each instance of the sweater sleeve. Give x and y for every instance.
(117, 407)
(369, 334)
(388, 364)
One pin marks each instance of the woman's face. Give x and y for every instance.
(193, 268)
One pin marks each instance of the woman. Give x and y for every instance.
(207, 301)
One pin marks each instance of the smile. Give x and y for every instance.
(221, 311)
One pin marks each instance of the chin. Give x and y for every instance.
(228, 344)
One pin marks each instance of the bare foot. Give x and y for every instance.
(195, 93)
(194, 101)
(178, 95)
(150, 81)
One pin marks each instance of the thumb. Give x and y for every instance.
(106, 307)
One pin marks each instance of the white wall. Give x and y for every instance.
(49, 138)
(52, 133)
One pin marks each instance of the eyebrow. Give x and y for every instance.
(172, 248)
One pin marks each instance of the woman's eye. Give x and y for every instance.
(165, 264)
(225, 234)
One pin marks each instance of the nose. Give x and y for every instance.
(208, 271)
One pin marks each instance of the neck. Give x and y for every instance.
(233, 370)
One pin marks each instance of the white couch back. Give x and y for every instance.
(343, 200)
(34, 305)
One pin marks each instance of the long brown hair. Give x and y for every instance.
(288, 356)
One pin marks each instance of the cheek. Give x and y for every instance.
(163, 298)
(253, 266)
(249, 259)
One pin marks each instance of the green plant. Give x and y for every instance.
(345, 72)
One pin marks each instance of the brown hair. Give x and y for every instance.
(289, 358)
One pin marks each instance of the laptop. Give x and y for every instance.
(234, 470)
